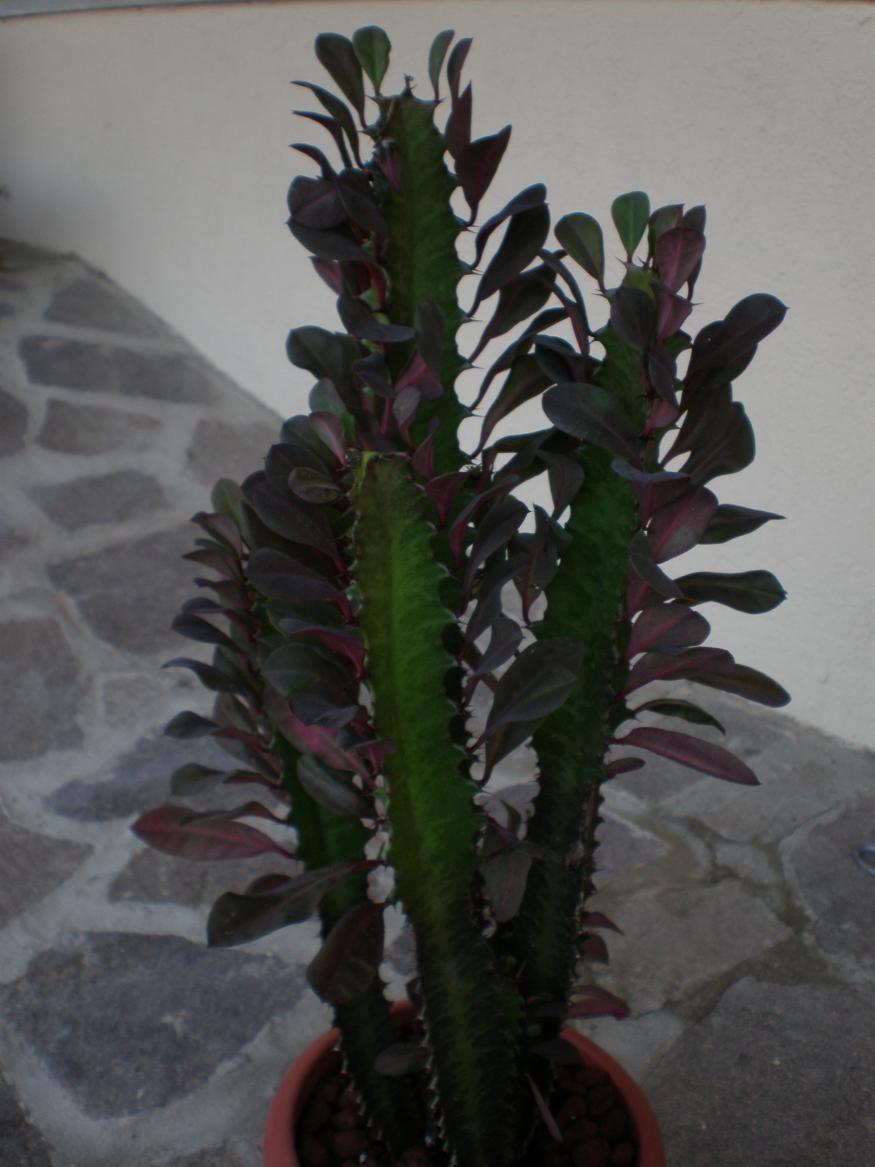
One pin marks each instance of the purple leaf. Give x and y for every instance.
(494, 531)
(314, 202)
(503, 643)
(623, 766)
(442, 491)
(358, 202)
(671, 312)
(196, 628)
(347, 962)
(310, 739)
(477, 164)
(733, 340)
(678, 526)
(209, 676)
(335, 244)
(285, 515)
(524, 381)
(519, 299)
(311, 486)
(457, 132)
(593, 1001)
(544, 1110)
(531, 197)
(504, 876)
(454, 65)
(361, 322)
(188, 724)
(342, 642)
(745, 591)
(676, 254)
(745, 682)
(164, 829)
(685, 710)
(633, 316)
(643, 565)
(692, 752)
(728, 522)
(591, 414)
(525, 236)
(566, 478)
(538, 682)
(238, 919)
(665, 627)
(658, 666)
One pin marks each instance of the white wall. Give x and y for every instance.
(154, 145)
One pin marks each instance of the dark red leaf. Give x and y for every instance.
(665, 627)
(538, 682)
(165, 829)
(544, 1110)
(525, 236)
(347, 962)
(658, 666)
(314, 202)
(679, 525)
(745, 682)
(238, 919)
(685, 710)
(693, 752)
(591, 414)
(746, 591)
(455, 63)
(336, 54)
(728, 522)
(676, 254)
(477, 164)
(457, 131)
(436, 55)
(593, 1001)
(623, 766)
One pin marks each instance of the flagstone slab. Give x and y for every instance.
(13, 424)
(101, 368)
(838, 896)
(139, 779)
(42, 687)
(75, 428)
(779, 1075)
(90, 302)
(21, 1144)
(220, 449)
(675, 942)
(102, 498)
(129, 592)
(32, 865)
(139, 1021)
(152, 877)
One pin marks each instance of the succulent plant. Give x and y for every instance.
(390, 621)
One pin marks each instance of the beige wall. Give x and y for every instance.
(154, 144)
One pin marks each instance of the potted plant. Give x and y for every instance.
(390, 621)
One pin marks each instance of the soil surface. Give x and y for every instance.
(589, 1112)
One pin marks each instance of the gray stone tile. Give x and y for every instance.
(804, 774)
(104, 498)
(224, 1156)
(73, 428)
(42, 690)
(21, 1144)
(138, 1021)
(778, 1076)
(623, 847)
(13, 424)
(152, 877)
(130, 592)
(31, 866)
(91, 302)
(99, 368)
(837, 895)
(7, 309)
(675, 942)
(222, 450)
(10, 539)
(139, 779)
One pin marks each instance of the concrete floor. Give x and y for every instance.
(747, 953)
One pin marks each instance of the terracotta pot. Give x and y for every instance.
(304, 1075)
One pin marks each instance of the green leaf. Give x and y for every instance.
(347, 962)
(746, 591)
(436, 55)
(581, 236)
(630, 213)
(372, 47)
(225, 499)
(338, 56)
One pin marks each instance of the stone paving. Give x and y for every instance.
(747, 955)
